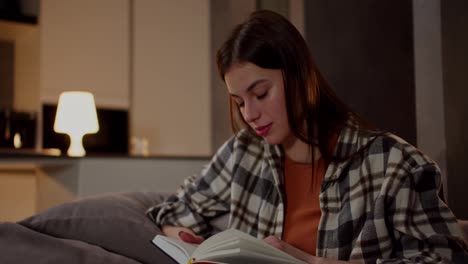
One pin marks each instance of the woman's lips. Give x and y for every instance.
(263, 130)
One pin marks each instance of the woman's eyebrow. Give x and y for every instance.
(251, 86)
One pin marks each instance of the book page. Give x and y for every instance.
(234, 246)
(179, 250)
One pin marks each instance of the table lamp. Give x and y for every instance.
(76, 116)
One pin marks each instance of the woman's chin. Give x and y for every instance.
(271, 140)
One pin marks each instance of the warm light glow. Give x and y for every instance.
(17, 141)
(76, 116)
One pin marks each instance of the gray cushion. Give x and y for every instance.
(115, 222)
(19, 244)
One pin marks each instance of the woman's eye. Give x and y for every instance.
(263, 95)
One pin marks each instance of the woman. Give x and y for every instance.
(304, 172)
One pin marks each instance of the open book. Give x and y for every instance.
(230, 246)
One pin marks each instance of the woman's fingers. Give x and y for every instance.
(181, 233)
(189, 238)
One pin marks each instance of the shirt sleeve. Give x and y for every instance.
(421, 226)
(202, 197)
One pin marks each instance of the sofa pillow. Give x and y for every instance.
(115, 222)
(19, 244)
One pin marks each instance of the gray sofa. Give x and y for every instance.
(110, 228)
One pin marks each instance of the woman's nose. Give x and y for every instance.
(251, 112)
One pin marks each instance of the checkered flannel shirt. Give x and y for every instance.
(380, 205)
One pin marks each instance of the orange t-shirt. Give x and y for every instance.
(302, 203)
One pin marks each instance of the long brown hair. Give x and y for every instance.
(270, 41)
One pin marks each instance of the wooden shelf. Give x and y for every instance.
(11, 30)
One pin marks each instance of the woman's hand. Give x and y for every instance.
(297, 253)
(182, 233)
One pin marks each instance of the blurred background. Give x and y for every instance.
(150, 65)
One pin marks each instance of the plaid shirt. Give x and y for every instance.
(380, 205)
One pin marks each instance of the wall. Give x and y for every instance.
(25, 68)
(454, 26)
(148, 57)
(296, 14)
(27, 74)
(402, 65)
(430, 119)
(155, 58)
(365, 50)
(84, 45)
(171, 76)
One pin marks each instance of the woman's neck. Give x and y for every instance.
(299, 151)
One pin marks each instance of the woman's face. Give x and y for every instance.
(259, 94)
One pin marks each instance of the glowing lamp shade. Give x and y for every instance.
(76, 116)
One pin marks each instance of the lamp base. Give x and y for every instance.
(76, 148)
